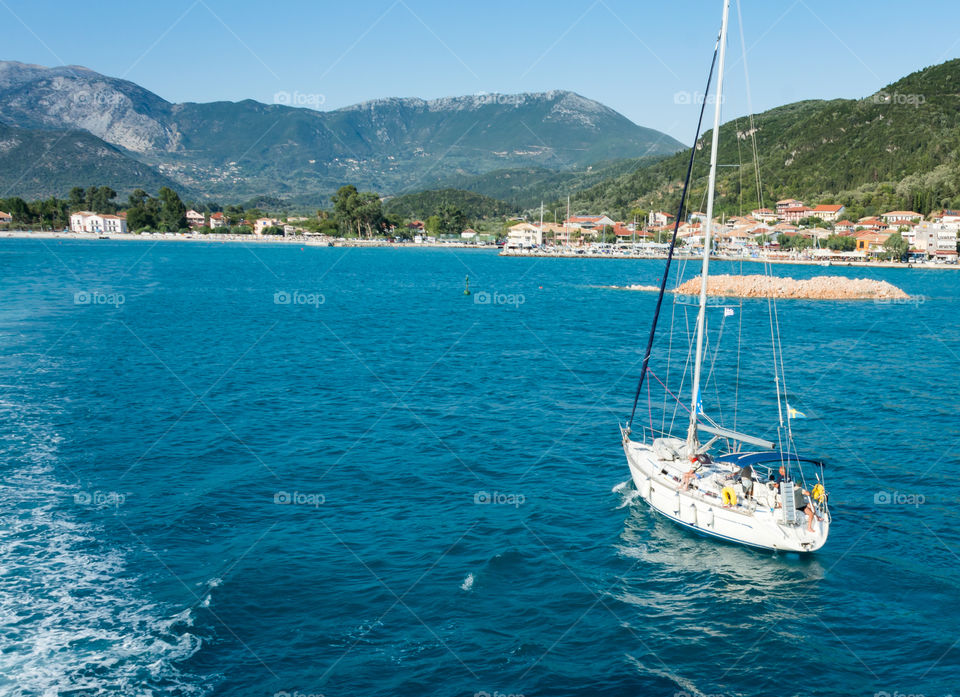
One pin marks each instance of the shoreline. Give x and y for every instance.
(327, 242)
(824, 263)
(255, 239)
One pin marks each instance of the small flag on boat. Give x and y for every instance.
(699, 403)
(728, 312)
(795, 413)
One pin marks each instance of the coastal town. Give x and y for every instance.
(790, 231)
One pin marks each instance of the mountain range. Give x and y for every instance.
(235, 150)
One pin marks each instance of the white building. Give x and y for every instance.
(949, 217)
(900, 216)
(589, 222)
(829, 213)
(764, 215)
(86, 221)
(217, 221)
(114, 223)
(933, 238)
(661, 218)
(195, 218)
(524, 236)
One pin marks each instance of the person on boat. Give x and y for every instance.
(689, 476)
(746, 480)
(774, 485)
(810, 511)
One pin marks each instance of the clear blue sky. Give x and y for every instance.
(633, 56)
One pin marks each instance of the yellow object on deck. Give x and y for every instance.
(729, 496)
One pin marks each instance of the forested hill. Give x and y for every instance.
(896, 149)
(425, 203)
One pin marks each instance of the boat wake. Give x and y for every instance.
(74, 618)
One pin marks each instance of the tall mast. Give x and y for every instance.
(692, 441)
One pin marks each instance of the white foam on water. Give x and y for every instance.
(73, 617)
(467, 582)
(628, 493)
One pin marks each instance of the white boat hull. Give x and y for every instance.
(754, 526)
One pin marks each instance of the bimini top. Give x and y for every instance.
(770, 457)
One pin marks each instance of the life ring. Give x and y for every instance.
(819, 493)
(729, 496)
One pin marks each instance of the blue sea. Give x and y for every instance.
(275, 471)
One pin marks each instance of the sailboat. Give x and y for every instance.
(735, 486)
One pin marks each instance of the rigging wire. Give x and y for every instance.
(778, 367)
(673, 241)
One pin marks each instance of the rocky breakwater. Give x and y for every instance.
(817, 288)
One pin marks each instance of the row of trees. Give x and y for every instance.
(355, 213)
(52, 213)
(361, 214)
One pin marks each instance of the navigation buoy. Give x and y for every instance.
(466, 289)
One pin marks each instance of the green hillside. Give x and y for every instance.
(525, 188)
(897, 149)
(426, 203)
(37, 164)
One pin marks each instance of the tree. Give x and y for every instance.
(172, 211)
(452, 220)
(794, 242)
(77, 198)
(143, 212)
(100, 199)
(896, 247)
(357, 211)
(841, 243)
(18, 209)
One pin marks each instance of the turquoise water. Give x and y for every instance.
(383, 487)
